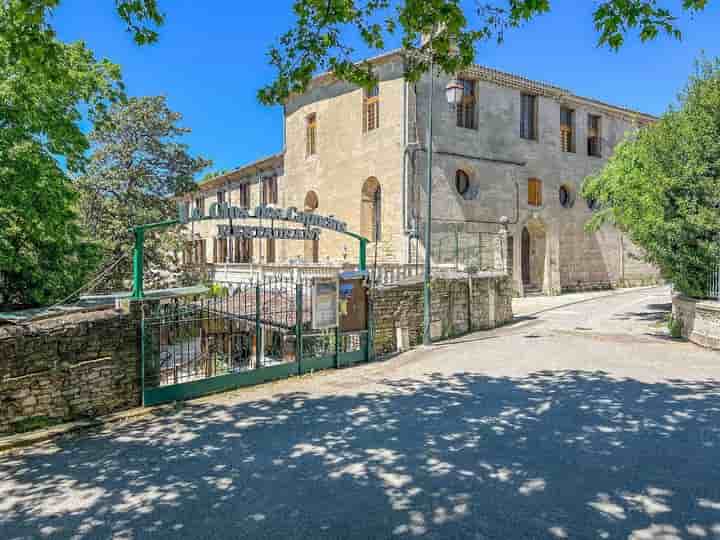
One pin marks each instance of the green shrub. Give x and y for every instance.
(675, 326)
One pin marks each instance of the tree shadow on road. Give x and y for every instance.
(556, 454)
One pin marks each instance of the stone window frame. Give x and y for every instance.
(311, 135)
(270, 190)
(567, 130)
(594, 136)
(371, 109)
(535, 192)
(529, 129)
(466, 112)
(570, 196)
(462, 192)
(200, 204)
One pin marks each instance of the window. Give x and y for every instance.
(194, 252)
(371, 109)
(220, 250)
(462, 182)
(528, 116)
(220, 197)
(311, 135)
(244, 195)
(200, 205)
(311, 248)
(566, 197)
(594, 147)
(592, 204)
(242, 250)
(270, 192)
(534, 192)
(567, 130)
(270, 250)
(371, 210)
(466, 109)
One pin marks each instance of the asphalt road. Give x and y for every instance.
(582, 420)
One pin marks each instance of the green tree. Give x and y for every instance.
(662, 185)
(43, 255)
(320, 39)
(138, 165)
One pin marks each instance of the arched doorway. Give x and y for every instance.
(312, 247)
(371, 210)
(533, 253)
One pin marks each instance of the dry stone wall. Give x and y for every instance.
(62, 369)
(459, 305)
(699, 320)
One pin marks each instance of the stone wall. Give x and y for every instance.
(700, 320)
(459, 305)
(63, 369)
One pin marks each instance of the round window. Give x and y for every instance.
(462, 182)
(566, 198)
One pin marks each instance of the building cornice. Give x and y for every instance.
(509, 80)
(274, 161)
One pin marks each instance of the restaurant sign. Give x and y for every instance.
(312, 222)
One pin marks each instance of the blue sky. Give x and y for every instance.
(211, 59)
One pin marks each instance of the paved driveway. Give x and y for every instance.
(580, 421)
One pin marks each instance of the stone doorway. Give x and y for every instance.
(533, 251)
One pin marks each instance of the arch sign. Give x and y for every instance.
(312, 222)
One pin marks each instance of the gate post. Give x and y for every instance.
(138, 271)
(298, 324)
(258, 329)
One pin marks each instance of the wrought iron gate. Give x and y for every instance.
(258, 332)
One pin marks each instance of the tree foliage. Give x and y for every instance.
(138, 164)
(43, 254)
(320, 39)
(662, 186)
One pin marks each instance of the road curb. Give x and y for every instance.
(613, 293)
(22, 440)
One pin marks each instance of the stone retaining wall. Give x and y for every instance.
(700, 320)
(62, 369)
(459, 305)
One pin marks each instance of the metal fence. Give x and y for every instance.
(255, 332)
(714, 284)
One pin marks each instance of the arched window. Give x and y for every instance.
(462, 182)
(312, 247)
(371, 210)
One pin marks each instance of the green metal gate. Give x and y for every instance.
(258, 332)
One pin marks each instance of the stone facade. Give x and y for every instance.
(699, 319)
(63, 369)
(549, 250)
(459, 305)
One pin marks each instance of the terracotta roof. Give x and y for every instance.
(518, 82)
(256, 166)
(510, 80)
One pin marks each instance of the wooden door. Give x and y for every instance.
(525, 256)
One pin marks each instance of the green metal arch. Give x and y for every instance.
(138, 292)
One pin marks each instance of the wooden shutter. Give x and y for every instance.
(311, 135)
(371, 110)
(567, 131)
(594, 148)
(534, 192)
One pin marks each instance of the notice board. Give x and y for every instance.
(325, 303)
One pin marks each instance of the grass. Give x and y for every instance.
(34, 423)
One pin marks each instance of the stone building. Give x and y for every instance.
(515, 149)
